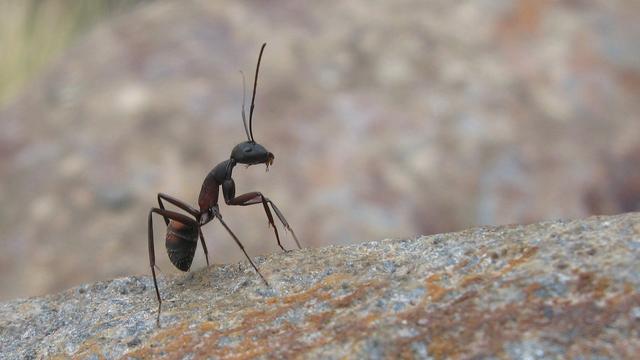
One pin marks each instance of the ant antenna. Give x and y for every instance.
(244, 117)
(253, 98)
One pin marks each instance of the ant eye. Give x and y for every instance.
(248, 150)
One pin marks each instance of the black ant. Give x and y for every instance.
(183, 230)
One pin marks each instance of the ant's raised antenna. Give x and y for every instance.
(244, 117)
(253, 98)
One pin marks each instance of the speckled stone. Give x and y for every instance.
(557, 289)
(386, 118)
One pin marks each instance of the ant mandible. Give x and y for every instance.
(183, 231)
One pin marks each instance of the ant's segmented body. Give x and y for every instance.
(183, 230)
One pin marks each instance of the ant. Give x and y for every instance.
(183, 230)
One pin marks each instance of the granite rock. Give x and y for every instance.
(557, 289)
(387, 119)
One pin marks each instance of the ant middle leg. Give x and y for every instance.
(235, 238)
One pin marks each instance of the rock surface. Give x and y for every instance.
(559, 289)
(387, 119)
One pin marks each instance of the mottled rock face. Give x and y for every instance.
(387, 120)
(560, 289)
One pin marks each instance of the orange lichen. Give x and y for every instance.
(588, 283)
(89, 347)
(461, 264)
(471, 279)
(434, 277)
(320, 318)
(441, 347)
(349, 299)
(585, 282)
(628, 288)
(600, 287)
(435, 291)
(465, 297)
(208, 326)
(531, 289)
(528, 253)
(312, 292)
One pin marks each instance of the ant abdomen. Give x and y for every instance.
(181, 244)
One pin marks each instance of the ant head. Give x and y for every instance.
(252, 153)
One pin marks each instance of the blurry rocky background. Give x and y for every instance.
(387, 119)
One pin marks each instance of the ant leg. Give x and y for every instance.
(256, 198)
(235, 238)
(152, 254)
(204, 246)
(152, 263)
(179, 203)
(284, 222)
(253, 198)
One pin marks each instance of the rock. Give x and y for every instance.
(386, 120)
(557, 289)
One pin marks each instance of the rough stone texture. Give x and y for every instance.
(387, 119)
(563, 289)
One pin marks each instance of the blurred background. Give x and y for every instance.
(387, 120)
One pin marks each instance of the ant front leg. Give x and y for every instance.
(255, 197)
